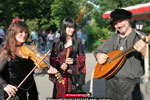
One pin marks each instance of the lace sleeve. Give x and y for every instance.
(3, 62)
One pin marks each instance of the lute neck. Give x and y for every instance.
(125, 52)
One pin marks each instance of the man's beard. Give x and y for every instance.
(122, 32)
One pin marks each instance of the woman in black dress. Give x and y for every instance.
(14, 67)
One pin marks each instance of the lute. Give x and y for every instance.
(113, 63)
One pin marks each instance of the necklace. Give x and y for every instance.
(123, 42)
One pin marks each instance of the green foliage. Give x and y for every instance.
(95, 35)
(61, 9)
(49, 13)
(32, 24)
(146, 27)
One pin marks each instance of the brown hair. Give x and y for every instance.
(10, 44)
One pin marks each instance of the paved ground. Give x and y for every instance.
(45, 87)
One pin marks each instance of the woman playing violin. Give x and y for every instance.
(14, 67)
(72, 67)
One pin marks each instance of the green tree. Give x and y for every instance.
(47, 13)
(95, 34)
(23, 9)
(61, 9)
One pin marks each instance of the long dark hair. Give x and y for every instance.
(67, 22)
(11, 42)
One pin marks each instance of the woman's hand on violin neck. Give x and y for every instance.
(69, 61)
(11, 90)
(64, 66)
(52, 70)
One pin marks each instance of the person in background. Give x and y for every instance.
(43, 40)
(84, 39)
(50, 39)
(125, 84)
(2, 36)
(79, 33)
(72, 68)
(14, 67)
(34, 37)
(57, 34)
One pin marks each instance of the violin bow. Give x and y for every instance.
(30, 72)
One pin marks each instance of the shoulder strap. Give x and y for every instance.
(138, 33)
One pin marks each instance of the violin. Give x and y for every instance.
(31, 52)
(41, 61)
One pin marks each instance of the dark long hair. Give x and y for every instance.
(11, 42)
(67, 22)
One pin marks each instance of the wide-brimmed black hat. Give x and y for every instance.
(119, 14)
